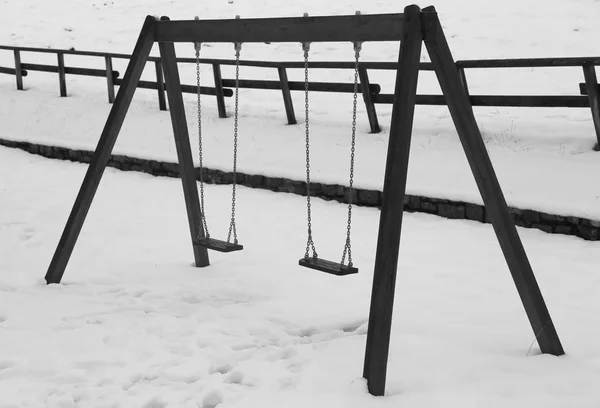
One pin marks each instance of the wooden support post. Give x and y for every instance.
(184, 152)
(160, 82)
(219, 90)
(365, 87)
(102, 153)
(394, 188)
(62, 80)
(489, 187)
(110, 83)
(591, 82)
(463, 80)
(287, 96)
(18, 70)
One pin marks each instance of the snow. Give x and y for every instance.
(133, 324)
(542, 155)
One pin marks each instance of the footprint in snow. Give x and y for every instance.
(244, 345)
(117, 291)
(212, 399)
(191, 299)
(289, 352)
(139, 293)
(155, 402)
(6, 364)
(222, 368)
(27, 234)
(94, 320)
(234, 377)
(7, 288)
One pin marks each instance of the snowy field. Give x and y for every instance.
(543, 157)
(133, 324)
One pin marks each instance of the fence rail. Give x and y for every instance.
(588, 97)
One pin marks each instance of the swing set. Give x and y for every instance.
(313, 262)
(412, 29)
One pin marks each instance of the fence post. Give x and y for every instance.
(463, 79)
(110, 83)
(61, 74)
(593, 91)
(287, 96)
(365, 87)
(219, 90)
(18, 71)
(160, 82)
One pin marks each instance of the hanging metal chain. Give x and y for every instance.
(197, 47)
(310, 244)
(238, 48)
(348, 246)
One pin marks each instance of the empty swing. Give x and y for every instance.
(314, 262)
(207, 241)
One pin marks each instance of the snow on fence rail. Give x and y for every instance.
(588, 97)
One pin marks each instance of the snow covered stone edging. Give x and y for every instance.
(558, 224)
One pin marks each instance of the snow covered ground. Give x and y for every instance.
(543, 157)
(134, 325)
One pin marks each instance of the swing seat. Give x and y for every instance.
(218, 245)
(334, 268)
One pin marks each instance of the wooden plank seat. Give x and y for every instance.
(218, 245)
(334, 268)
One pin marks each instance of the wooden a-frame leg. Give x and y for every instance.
(394, 188)
(184, 152)
(593, 91)
(487, 182)
(102, 153)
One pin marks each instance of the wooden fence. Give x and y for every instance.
(588, 95)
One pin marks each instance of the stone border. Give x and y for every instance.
(580, 227)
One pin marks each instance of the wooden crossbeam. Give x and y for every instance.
(381, 27)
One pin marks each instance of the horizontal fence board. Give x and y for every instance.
(529, 62)
(379, 27)
(67, 52)
(530, 101)
(69, 70)
(184, 88)
(299, 86)
(489, 63)
(11, 71)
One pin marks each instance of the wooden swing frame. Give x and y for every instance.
(411, 29)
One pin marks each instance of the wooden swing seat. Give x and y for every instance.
(218, 245)
(333, 268)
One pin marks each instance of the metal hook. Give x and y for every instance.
(197, 45)
(358, 44)
(305, 45)
(238, 45)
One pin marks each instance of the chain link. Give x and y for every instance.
(232, 228)
(197, 47)
(348, 246)
(310, 244)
